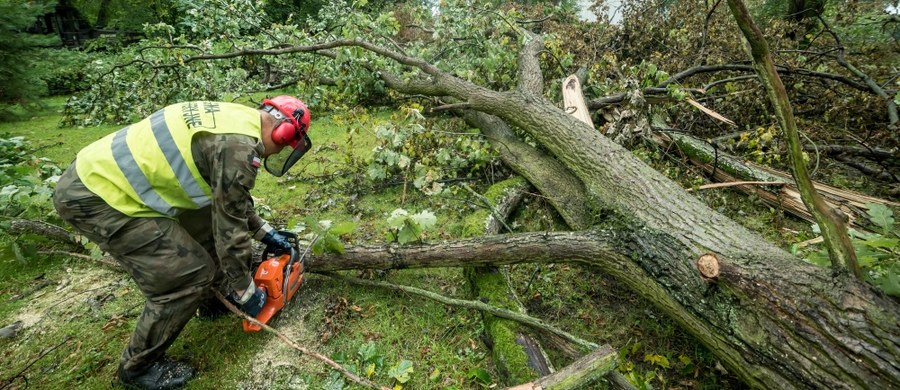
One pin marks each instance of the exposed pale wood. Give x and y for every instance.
(573, 100)
(577, 375)
(735, 183)
(708, 265)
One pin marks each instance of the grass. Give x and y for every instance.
(87, 313)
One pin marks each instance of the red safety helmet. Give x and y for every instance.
(293, 117)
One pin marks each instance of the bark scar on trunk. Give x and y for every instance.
(708, 265)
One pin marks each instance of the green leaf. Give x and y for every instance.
(342, 228)
(881, 216)
(479, 375)
(658, 360)
(882, 242)
(367, 352)
(335, 381)
(890, 282)
(401, 371)
(318, 247)
(819, 258)
(424, 219)
(333, 245)
(397, 219)
(17, 251)
(409, 233)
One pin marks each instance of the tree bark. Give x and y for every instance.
(581, 373)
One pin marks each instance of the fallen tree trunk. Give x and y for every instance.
(775, 321)
(797, 326)
(725, 168)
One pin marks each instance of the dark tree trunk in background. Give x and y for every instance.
(102, 15)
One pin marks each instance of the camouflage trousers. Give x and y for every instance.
(172, 262)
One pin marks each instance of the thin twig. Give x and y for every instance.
(103, 260)
(477, 305)
(737, 183)
(9, 381)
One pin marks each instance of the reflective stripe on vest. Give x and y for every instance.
(147, 169)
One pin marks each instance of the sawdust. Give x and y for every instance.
(278, 365)
(63, 296)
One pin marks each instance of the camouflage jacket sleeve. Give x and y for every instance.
(229, 163)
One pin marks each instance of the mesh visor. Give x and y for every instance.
(278, 164)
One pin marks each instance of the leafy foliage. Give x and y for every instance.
(425, 152)
(324, 236)
(28, 181)
(369, 363)
(878, 253)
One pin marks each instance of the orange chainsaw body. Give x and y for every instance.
(280, 277)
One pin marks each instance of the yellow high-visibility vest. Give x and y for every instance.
(147, 170)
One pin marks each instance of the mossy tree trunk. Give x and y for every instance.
(518, 357)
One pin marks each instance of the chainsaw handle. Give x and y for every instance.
(290, 236)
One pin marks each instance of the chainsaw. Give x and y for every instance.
(280, 276)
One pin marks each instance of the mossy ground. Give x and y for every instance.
(75, 327)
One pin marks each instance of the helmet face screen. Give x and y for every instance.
(278, 164)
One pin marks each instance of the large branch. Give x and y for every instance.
(563, 190)
(589, 247)
(518, 356)
(530, 77)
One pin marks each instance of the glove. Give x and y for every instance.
(252, 301)
(276, 242)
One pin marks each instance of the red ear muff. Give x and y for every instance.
(284, 133)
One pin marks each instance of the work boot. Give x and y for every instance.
(163, 374)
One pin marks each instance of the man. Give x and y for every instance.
(169, 198)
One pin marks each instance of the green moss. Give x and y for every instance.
(507, 353)
(490, 286)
